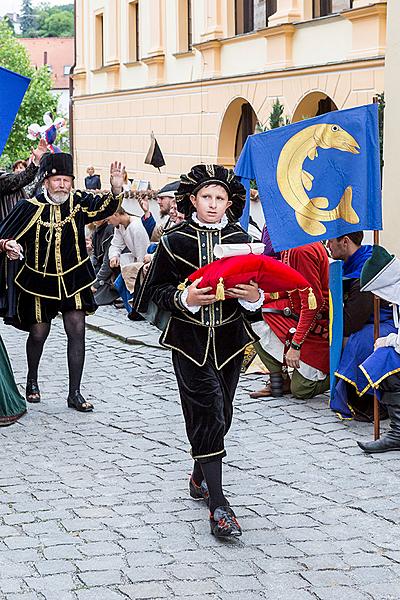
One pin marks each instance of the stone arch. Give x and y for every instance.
(238, 122)
(312, 105)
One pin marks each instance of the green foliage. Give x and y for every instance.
(38, 98)
(51, 21)
(275, 119)
(27, 19)
(381, 112)
(9, 23)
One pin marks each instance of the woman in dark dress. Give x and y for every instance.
(12, 404)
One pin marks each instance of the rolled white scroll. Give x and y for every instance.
(225, 250)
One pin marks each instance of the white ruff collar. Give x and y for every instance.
(223, 223)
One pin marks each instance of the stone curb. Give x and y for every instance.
(123, 333)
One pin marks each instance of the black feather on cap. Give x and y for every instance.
(203, 175)
(56, 164)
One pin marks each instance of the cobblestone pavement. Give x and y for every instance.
(96, 506)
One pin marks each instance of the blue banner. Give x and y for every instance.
(319, 178)
(13, 87)
(335, 319)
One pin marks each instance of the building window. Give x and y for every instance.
(184, 25)
(246, 126)
(244, 16)
(133, 23)
(99, 37)
(322, 8)
(67, 69)
(270, 9)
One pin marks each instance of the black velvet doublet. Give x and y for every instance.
(220, 326)
(56, 265)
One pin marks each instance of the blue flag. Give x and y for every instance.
(319, 178)
(12, 90)
(335, 320)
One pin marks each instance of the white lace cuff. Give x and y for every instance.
(183, 299)
(253, 306)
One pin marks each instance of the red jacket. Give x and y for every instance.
(312, 328)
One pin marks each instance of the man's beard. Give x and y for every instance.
(59, 197)
(164, 212)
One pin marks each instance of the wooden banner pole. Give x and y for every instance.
(376, 335)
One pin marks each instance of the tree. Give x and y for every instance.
(58, 24)
(38, 98)
(55, 21)
(28, 24)
(275, 119)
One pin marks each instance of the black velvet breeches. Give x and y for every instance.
(207, 402)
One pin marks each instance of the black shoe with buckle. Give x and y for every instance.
(199, 492)
(77, 401)
(224, 524)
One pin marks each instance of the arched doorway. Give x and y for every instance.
(312, 105)
(238, 123)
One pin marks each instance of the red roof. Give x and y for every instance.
(58, 53)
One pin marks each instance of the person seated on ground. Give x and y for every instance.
(19, 166)
(103, 288)
(381, 275)
(164, 199)
(92, 181)
(358, 329)
(12, 184)
(291, 334)
(128, 247)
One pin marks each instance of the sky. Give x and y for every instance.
(15, 5)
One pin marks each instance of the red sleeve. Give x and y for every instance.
(312, 262)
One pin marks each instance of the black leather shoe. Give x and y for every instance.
(199, 492)
(224, 524)
(77, 401)
(32, 391)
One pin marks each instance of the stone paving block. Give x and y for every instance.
(145, 591)
(236, 583)
(101, 578)
(344, 593)
(99, 593)
(53, 567)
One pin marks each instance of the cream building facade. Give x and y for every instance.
(201, 73)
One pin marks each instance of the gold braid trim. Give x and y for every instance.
(60, 224)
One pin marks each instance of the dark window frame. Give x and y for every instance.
(246, 9)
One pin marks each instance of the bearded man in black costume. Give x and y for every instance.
(55, 274)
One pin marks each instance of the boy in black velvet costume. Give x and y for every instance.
(207, 336)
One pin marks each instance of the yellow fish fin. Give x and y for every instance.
(320, 202)
(345, 209)
(309, 226)
(313, 153)
(307, 179)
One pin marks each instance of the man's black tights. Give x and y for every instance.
(74, 325)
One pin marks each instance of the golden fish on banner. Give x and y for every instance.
(293, 180)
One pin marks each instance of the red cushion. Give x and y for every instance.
(270, 274)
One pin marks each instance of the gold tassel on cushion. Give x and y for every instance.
(182, 286)
(220, 292)
(312, 301)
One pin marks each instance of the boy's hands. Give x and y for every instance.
(199, 296)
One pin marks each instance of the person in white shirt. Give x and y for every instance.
(128, 247)
(128, 234)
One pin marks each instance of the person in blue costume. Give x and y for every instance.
(381, 275)
(353, 396)
(12, 404)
